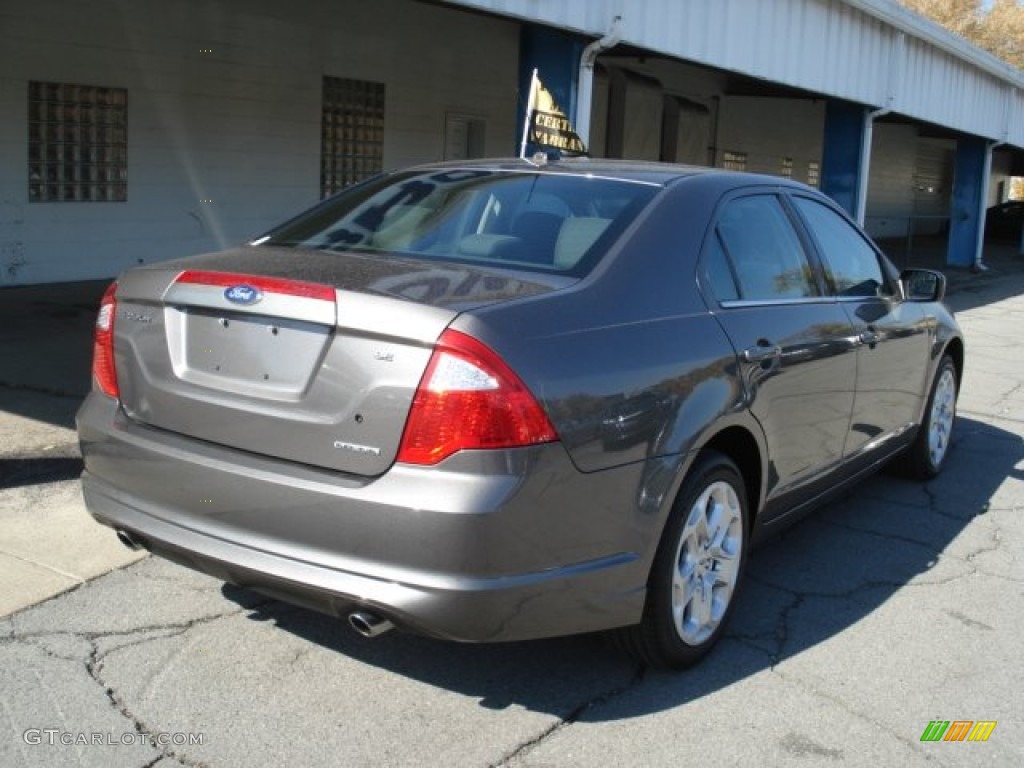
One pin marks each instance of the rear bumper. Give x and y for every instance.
(487, 546)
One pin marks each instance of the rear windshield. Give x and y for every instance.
(532, 221)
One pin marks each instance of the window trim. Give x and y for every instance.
(741, 303)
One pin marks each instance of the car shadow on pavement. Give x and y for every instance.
(20, 471)
(982, 290)
(42, 407)
(46, 335)
(807, 586)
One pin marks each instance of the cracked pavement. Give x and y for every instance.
(898, 604)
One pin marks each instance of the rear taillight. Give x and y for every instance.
(104, 374)
(469, 398)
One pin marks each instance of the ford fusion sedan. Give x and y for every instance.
(498, 400)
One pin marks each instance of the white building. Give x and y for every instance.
(137, 131)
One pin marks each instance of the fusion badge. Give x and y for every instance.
(356, 448)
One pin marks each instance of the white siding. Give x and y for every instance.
(938, 87)
(874, 52)
(239, 126)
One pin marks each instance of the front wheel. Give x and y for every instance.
(926, 456)
(697, 569)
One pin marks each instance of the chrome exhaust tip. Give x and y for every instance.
(369, 624)
(128, 540)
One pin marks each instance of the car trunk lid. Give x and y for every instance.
(321, 373)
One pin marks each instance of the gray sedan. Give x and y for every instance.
(496, 401)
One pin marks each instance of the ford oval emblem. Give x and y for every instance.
(243, 294)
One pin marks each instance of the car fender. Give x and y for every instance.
(662, 477)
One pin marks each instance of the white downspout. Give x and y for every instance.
(585, 81)
(896, 54)
(986, 177)
(864, 177)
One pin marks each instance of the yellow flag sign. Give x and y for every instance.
(547, 124)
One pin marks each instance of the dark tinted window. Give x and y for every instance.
(718, 273)
(851, 264)
(767, 257)
(556, 223)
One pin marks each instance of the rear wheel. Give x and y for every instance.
(697, 569)
(926, 456)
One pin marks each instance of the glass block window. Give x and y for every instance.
(352, 135)
(77, 143)
(786, 168)
(814, 174)
(734, 161)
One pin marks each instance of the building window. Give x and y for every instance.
(734, 161)
(352, 136)
(814, 174)
(786, 169)
(77, 143)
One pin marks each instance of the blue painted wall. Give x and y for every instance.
(556, 56)
(840, 160)
(968, 199)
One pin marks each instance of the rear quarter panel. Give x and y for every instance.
(629, 363)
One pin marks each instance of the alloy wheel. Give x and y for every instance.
(940, 421)
(707, 563)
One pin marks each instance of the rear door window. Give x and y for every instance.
(756, 254)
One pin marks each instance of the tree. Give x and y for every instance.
(1002, 32)
(961, 17)
(999, 29)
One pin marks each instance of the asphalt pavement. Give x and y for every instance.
(898, 605)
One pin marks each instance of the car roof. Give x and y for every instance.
(660, 174)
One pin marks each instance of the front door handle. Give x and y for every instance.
(762, 351)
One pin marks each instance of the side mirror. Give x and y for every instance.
(923, 285)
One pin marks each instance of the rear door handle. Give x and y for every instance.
(762, 351)
(870, 337)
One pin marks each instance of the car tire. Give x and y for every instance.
(697, 569)
(927, 455)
